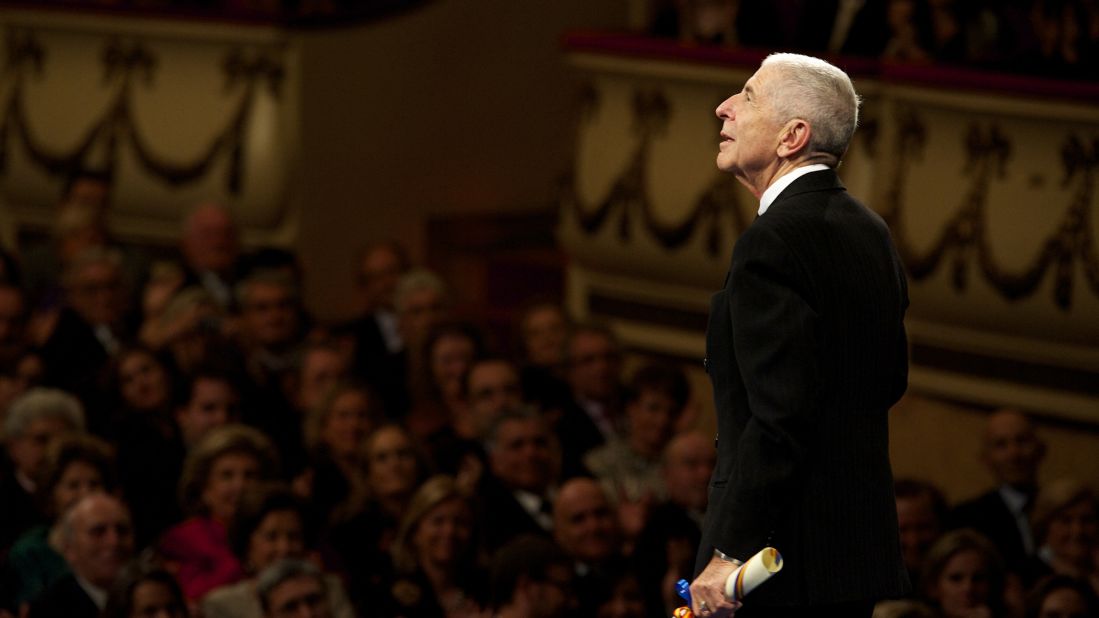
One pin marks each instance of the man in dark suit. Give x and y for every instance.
(97, 541)
(1012, 452)
(807, 352)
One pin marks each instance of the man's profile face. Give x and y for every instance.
(1011, 450)
(749, 132)
(521, 455)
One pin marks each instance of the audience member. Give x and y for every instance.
(322, 365)
(34, 420)
(532, 578)
(210, 248)
(292, 588)
(515, 495)
(269, 526)
(904, 608)
(379, 348)
(435, 555)
(217, 471)
(145, 591)
(921, 513)
(1062, 596)
(361, 543)
(585, 526)
(1012, 452)
(75, 466)
(421, 300)
(96, 538)
(89, 332)
(629, 467)
(621, 597)
(492, 388)
(963, 576)
(438, 404)
(666, 547)
(1066, 530)
(207, 401)
(593, 364)
(18, 373)
(334, 435)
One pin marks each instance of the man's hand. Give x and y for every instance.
(708, 590)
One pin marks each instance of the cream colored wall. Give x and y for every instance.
(456, 106)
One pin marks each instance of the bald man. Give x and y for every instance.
(97, 540)
(210, 245)
(1012, 452)
(586, 527)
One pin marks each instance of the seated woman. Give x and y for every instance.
(360, 544)
(143, 590)
(963, 576)
(75, 466)
(438, 573)
(221, 467)
(269, 526)
(150, 451)
(334, 436)
(1066, 530)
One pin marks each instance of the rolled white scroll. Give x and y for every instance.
(751, 574)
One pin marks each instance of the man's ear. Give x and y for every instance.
(794, 139)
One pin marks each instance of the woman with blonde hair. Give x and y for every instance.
(963, 576)
(218, 470)
(435, 559)
(335, 432)
(1066, 531)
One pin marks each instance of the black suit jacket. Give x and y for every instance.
(807, 352)
(64, 598)
(989, 515)
(502, 518)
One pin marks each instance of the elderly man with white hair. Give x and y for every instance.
(807, 352)
(34, 420)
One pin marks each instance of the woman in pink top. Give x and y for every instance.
(225, 463)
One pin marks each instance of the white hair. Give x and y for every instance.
(415, 280)
(819, 93)
(42, 403)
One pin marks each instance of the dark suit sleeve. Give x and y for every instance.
(776, 343)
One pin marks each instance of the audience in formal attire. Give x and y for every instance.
(554, 489)
(1012, 452)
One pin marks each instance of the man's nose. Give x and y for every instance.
(725, 110)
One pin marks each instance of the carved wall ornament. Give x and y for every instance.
(964, 239)
(629, 196)
(123, 61)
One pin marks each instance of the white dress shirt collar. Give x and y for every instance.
(784, 181)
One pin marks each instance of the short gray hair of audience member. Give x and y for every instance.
(414, 280)
(523, 413)
(1055, 497)
(434, 491)
(281, 572)
(183, 300)
(88, 257)
(904, 608)
(42, 403)
(223, 441)
(819, 93)
(265, 276)
(955, 542)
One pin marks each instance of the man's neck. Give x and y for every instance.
(766, 177)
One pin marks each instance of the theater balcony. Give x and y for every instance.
(987, 181)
